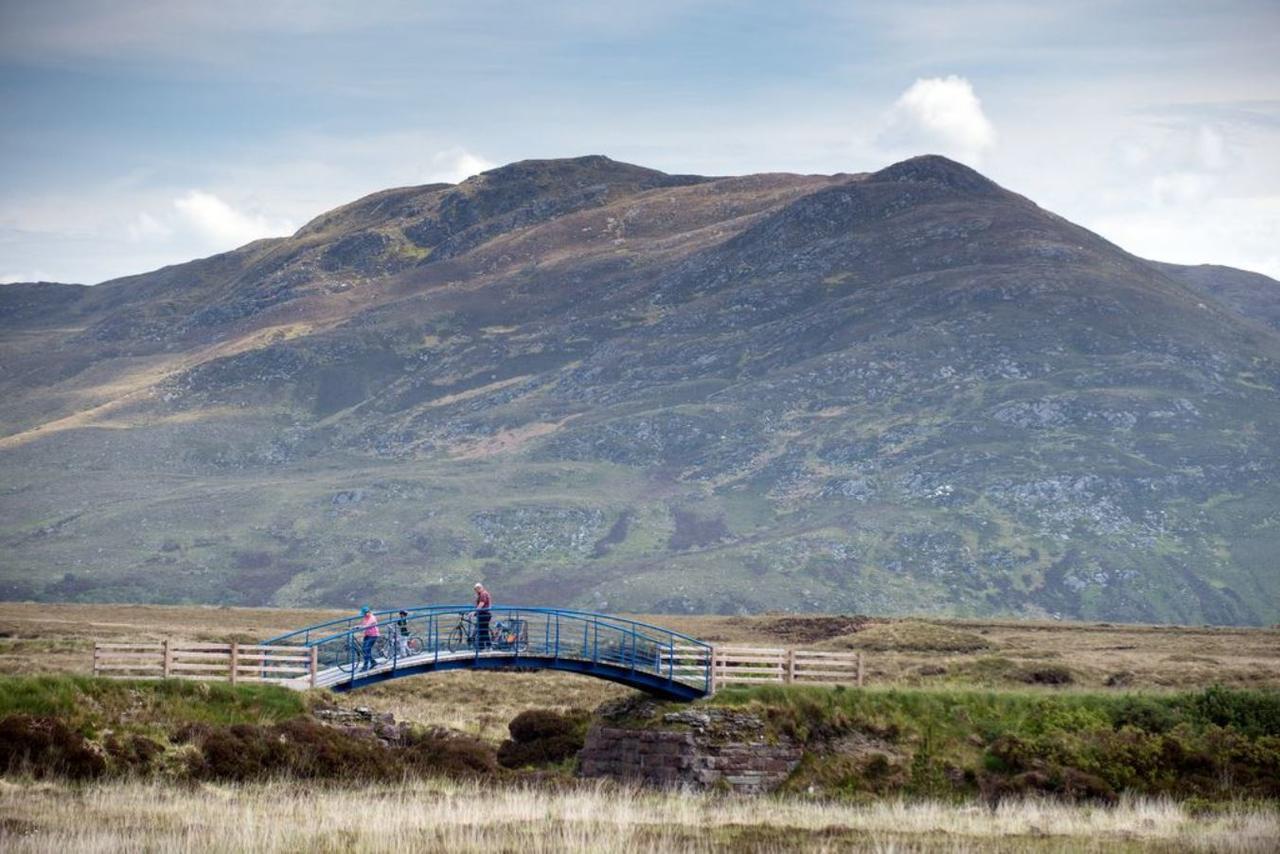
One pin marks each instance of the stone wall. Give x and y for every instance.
(702, 749)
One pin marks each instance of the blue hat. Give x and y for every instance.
(364, 609)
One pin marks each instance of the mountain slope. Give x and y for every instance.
(596, 384)
(1251, 295)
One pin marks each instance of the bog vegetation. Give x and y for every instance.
(987, 743)
(444, 815)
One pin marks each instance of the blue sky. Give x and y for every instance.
(141, 134)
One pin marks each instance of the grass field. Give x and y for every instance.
(443, 816)
(945, 678)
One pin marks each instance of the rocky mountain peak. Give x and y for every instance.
(568, 172)
(936, 170)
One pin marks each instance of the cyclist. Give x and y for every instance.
(483, 603)
(402, 633)
(369, 625)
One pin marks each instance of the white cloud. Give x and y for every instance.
(1211, 148)
(1178, 189)
(454, 165)
(1186, 167)
(146, 227)
(1238, 232)
(223, 225)
(942, 115)
(1188, 192)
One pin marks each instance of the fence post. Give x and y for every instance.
(315, 664)
(859, 670)
(95, 659)
(711, 660)
(790, 675)
(235, 660)
(168, 658)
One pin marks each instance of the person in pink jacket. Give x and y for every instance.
(369, 626)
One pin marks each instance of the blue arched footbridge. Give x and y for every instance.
(450, 637)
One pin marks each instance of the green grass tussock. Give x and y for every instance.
(1213, 743)
(88, 704)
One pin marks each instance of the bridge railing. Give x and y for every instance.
(428, 634)
(538, 637)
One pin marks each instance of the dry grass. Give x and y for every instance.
(482, 704)
(437, 815)
(909, 636)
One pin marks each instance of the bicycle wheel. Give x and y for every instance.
(350, 656)
(458, 639)
(522, 636)
(414, 645)
(381, 649)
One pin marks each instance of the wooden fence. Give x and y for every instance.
(756, 665)
(218, 662)
(235, 663)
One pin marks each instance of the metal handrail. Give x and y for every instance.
(631, 646)
(419, 610)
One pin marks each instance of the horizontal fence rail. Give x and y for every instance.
(740, 665)
(214, 662)
(332, 654)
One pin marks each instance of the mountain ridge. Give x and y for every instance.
(597, 384)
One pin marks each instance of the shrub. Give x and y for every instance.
(438, 751)
(238, 753)
(300, 748)
(1254, 713)
(316, 751)
(132, 753)
(536, 724)
(1148, 714)
(46, 747)
(542, 737)
(1049, 716)
(1048, 674)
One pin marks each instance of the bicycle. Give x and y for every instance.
(353, 653)
(407, 646)
(407, 643)
(504, 635)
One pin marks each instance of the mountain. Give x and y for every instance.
(593, 384)
(1251, 295)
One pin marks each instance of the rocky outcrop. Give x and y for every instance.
(363, 722)
(712, 749)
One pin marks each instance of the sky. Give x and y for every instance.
(137, 134)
